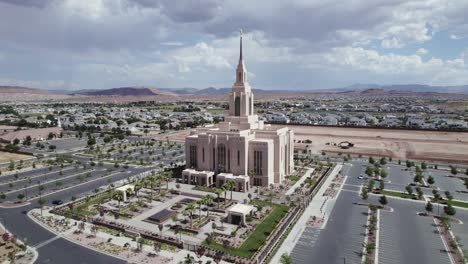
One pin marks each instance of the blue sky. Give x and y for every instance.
(293, 44)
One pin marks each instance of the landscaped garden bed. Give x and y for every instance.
(258, 237)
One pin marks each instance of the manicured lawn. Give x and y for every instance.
(399, 194)
(257, 239)
(204, 189)
(82, 209)
(456, 203)
(293, 179)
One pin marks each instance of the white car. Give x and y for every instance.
(361, 177)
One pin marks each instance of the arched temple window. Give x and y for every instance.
(221, 158)
(237, 106)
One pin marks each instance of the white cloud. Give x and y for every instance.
(44, 84)
(172, 43)
(422, 51)
(391, 43)
(413, 68)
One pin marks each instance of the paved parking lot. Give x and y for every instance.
(406, 237)
(342, 238)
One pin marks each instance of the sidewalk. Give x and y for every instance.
(300, 181)
(313, 209)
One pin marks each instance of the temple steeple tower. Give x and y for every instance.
(241, 97)
(241, 73)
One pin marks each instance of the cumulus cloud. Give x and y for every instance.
(422, 51)
(195, 43)
(412, 67)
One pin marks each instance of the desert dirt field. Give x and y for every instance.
(178, 136)
(398, 144)
(7, 156)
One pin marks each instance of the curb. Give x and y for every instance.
(32, 249)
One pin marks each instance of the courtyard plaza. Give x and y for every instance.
(147, 210)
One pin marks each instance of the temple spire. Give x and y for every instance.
(241, 73)
(240, 56)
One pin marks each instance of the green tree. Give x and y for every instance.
(429, 207)
(383, 200)
(419, 192)
(430, 180)
(286, 259)
(371, 160)
(383, 161)
(364, 194)
(369, 171)
(383, 173)
(436, 195)
(409, 189)
(448, 195)
(20, 196)
(190, 208)
(41, 202)
(382, 186)
(453, 170)
(119, 196)
(11, 166)
(423, 165)
(218, 192)
(450, 210)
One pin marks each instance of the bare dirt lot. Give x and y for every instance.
(7, 156)
(399, 144)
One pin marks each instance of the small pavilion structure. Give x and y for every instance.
(238, 213)
(194, 177)
(124, 189)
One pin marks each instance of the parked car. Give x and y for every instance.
(57, 202)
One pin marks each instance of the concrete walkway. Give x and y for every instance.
(300, 181)
(314, 208)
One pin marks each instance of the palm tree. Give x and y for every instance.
(208, 200)
(168, 178)
(190, 209)
(231, 184)
(218, 192)
(158, 180)
(137, 188)
(119, 197)
(161, 227)
(225, 188)
(200, 203)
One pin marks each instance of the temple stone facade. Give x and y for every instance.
(241, 148)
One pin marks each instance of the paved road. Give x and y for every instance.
(59, 251)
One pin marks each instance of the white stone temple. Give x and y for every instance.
(241, 148)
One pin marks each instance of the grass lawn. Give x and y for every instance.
(82, 209)
(257, 239)
(204, 189)
(293, 179)
(455, 203)
(400, 194)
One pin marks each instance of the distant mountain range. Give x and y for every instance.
(149, 91)
(418, 88)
